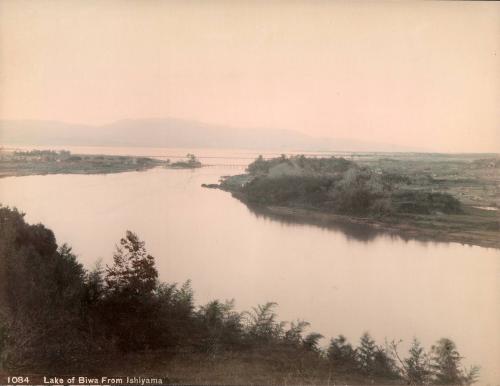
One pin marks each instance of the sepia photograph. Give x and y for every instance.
(249, 192)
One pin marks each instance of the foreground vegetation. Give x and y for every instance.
(55, 316)
(23, 163)
(401, 196)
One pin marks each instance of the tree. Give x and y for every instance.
(311, 341)
(262, 326)
(416, 366)
(259, 166)
(384, 365)
(446, 363)
(133, 272)
(357, 191)
(471, 376)
(374, 360)
(293, 336)
(342, 354)
(41, 288)
(222, 326)
(95, 290)
(366, 352)
(174, 312)
(129, 307)
(192, 160)
(95, 285)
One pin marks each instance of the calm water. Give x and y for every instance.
(337, 279)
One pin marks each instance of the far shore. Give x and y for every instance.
(16, 170)
(43, 162)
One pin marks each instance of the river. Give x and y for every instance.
(338, 281)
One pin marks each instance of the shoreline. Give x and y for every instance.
(88, 172)
(404, 230)
(78, 172)
(406, 227)
(74, 164)
(466, 229)
(63, 162)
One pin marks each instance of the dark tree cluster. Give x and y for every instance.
(337, 185)
(308, 165)
(441, 366)
(191, 163)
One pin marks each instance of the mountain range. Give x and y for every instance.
(170, 132)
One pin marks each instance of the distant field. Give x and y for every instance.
(472, 178)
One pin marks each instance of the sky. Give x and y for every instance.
(419, 74)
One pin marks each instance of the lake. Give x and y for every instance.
(338, 281)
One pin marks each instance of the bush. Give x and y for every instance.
(419, 202)
(305, 166)
(288, 190)
(337, 185)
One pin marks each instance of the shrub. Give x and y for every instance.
(418, 202)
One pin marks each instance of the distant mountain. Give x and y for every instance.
(171, 132)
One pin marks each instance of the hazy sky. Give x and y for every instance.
(421, 74)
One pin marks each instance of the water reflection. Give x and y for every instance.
(360, 232)
(352, 231)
